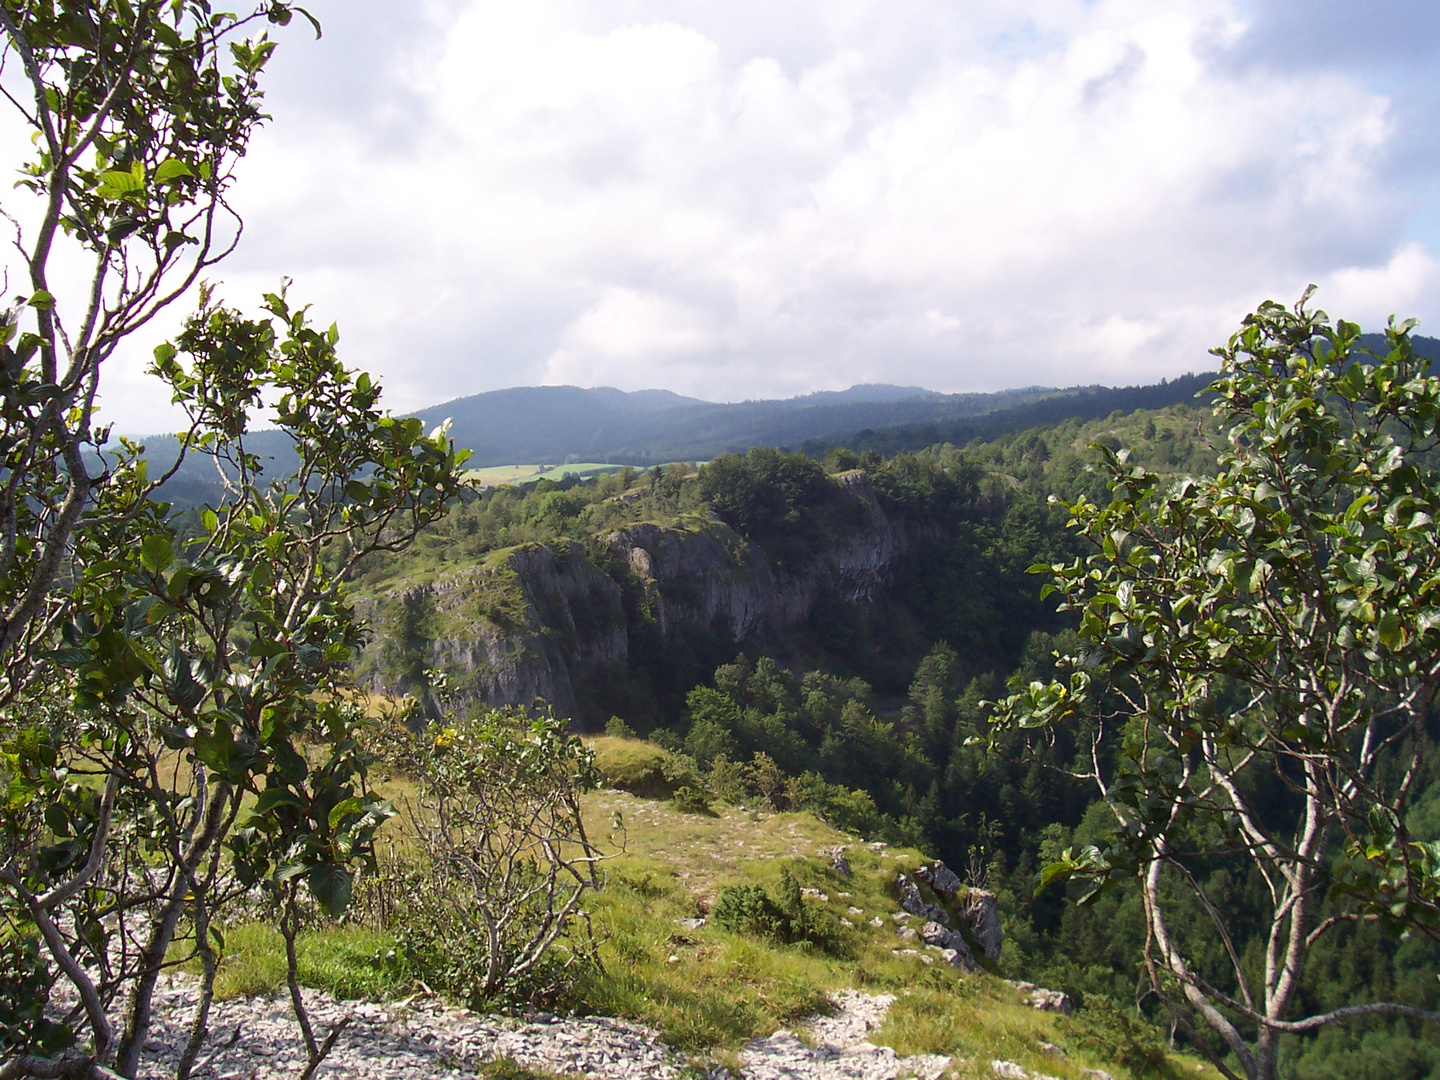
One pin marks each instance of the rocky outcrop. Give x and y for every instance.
(1044, 1000)
(542, 621)
(975, 912)
(976, 909)
(706, 575)
(979, 911)
(528, 626)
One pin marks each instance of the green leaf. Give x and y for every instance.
(156, 553)
(41, 299)
(121, 228)
(1056, 871)
(352, 805)
(115, 182)
(215, 748)
(170, 168)
(270, 798)
(331, 886)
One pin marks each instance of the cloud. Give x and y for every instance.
(1403, 286)
(737, 201)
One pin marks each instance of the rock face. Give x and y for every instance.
(543, 621)
(976, 912)
(944, 881)
(709, 576)
(529, 626)
(980, 912)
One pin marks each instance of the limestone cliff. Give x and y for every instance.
(709, 575)
(542, 622)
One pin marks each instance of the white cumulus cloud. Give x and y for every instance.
(737, 201)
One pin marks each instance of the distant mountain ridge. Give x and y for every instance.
(556, 424)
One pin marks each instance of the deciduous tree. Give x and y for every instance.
(139, 113)
(1257, 669)
(176, 721)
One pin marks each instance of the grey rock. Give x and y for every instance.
(915, 904)
(841, 1051)
(951, 941)
(1044, 1000)
(1010, 1070)
(1051, 1001)
(941, 878)
(980, 913)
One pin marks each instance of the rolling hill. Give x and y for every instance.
(556, 425)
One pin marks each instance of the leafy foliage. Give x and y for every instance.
(750, 909)
(138, 115)
(191, 732)
(502, 861)
(1263, 644)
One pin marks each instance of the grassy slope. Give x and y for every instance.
(709, 989)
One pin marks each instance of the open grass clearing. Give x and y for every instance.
(709, 990)
(495, 475)
(984, 1020)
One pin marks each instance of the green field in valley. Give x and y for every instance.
(495, 475)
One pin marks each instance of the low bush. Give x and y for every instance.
(749, 909)
(617, 728)
(1111, 1033)
(497, 855)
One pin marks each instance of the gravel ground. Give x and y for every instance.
(257, 1039)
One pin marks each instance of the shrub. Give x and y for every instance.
(691, 800)
(688, 791)
(617, 728)
(727, 780)
(503, 856)
(749, 909)
(1113, 1035)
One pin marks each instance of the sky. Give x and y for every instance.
(747, 200)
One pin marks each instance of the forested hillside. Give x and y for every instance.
(854, 563)
(559, 424)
